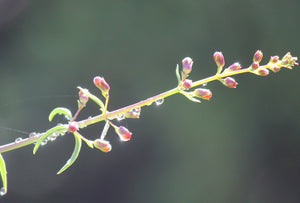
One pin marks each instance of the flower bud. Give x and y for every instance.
(123, 133)
(262, 72)
(187, 64)
(275, 69)
(83, 99)
(219, 59)
(255, 65)
(103, 145)
(257, 56)
(187, 84)
(73, 126)
(289, 61)
(274, 59)
(203, 93)
(235, 66)
(101, 84)
(134, 113)
(230, 82)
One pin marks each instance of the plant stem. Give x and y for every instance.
(114, 114)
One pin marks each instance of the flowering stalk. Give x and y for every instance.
(133, 111)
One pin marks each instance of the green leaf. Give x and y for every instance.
(3, 176)
(75, 153)
(92, 97)
(178, 74)
(57, 129)
(60, 110)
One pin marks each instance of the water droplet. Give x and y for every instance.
(137, 109)
(2, 191)
(204, 84)
(44, 142)
(53, 138)
(121, 117)
(33, 134)
(19, 139)
(89, 117)
(159, 102)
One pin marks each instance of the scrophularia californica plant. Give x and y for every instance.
(184, 87)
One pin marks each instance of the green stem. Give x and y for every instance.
(113, 114)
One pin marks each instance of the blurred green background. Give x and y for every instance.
(241, 146)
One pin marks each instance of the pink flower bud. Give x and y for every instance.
(73, 126)
(257, 56)
(101, 84)
(230, 82)
(219, 59)
(83, 99)
(274, 59)
(134, 113)
(235, 66)
(263, 72)
(203, 93)
(187, 84)
(103, 145)
(123, 133)
(255, 65)
(275, 69)
(187, 64)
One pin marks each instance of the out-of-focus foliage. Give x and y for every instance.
(241, 146)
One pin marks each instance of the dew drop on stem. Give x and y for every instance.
(121, 117)
(2, 191)
(204, 84)
(19, 139)
(159, 102)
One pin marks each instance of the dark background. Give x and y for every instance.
(241, 146)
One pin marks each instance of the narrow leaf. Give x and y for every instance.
(190, 97)
(57, 129)
(74, 154)
(93, 97)
(60, 110)
(3, 176)
(178, 74)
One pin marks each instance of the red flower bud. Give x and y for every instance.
(262, 72)
(230, 82)
(203, 93)
(255, 65)
(274, 59)
(73, 126)
(83, 99)
(103, 145)
(101, 84)
(187, 84)
(235, 66)
(123, 133)
(257, 56)
(187, 64)
(219, 59)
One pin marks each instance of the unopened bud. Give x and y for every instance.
(123, 133)
(101, 84)
(187, 84)
(187, 64)
(103, 145)
(83, 99)
(73, 126)
(275, 69)
(235, 66)
(274, 59)
(203, 93)
(257, 56)
(255, 65)
(230, 82)
(219, 59)
(263, 72)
